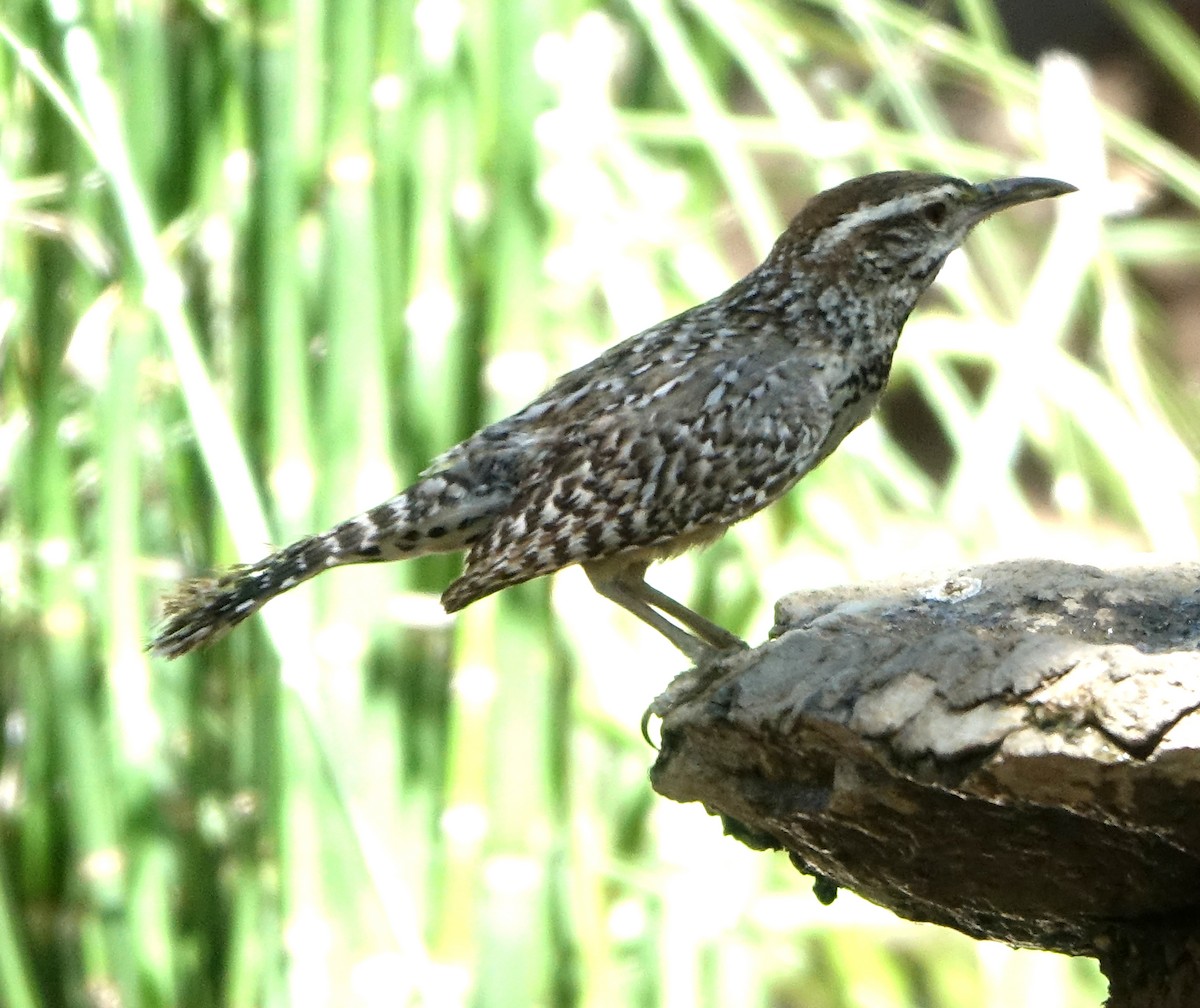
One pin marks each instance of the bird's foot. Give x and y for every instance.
(691, 683)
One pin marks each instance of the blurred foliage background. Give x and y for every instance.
(260, 261)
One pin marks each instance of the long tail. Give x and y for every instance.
(437, 515)
(202, 610)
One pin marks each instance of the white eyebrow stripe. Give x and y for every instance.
(897, 206)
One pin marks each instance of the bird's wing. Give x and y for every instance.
(655, 477)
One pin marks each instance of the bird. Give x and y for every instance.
(668, 438)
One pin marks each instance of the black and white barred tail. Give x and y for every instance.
(442, 513)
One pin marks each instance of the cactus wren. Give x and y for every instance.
(668, 438)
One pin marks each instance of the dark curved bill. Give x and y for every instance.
(1004, 193)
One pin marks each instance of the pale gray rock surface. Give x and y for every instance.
(1011, 750)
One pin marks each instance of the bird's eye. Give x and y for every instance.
(935, 214)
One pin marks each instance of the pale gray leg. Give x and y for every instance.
(706, 630)
(626, 587)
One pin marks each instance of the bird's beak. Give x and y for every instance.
(1004, 193)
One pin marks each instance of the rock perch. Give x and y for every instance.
(1010, 750)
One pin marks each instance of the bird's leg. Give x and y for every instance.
(706, 630)
(617, 590)
(626, 586)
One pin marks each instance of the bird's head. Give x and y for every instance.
(899, 224)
